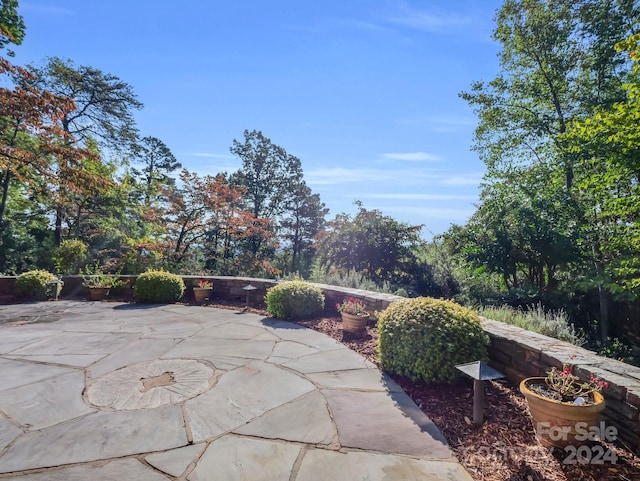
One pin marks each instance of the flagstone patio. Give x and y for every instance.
(110, 391)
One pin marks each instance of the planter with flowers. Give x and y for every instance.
(563, 407)
(354, 315)
(203, 291)
(99, 283)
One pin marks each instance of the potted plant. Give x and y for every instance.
(354, 315)
(99, 283)
(202, 291)
(562, 406)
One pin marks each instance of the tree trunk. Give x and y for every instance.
(604, 313)
(603, 297)
(57, 236)
(6, 180)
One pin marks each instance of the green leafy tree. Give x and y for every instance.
(104, 103)
(269, 174)
(12, 28)
(376, 246)
(304, 218)
(35, 150)
(70, 256)
(158, 162)
(558, 63)
(558, 66)
(608, 146)
(103, 113)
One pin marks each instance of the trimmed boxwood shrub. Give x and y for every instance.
(424, 339)
(158, 287)
(293, 300)
(35, 285)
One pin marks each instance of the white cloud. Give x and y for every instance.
(432, 21)
(47, 9)
(444, 123)
(452, 215)
(424, 197)
(341, 175)
(412, 156)
(210, 155)
(473, 179)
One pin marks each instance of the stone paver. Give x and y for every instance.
(8, 432)
(103, 391)
(357, 466)
(356, 379)
(305, 420)
(101, 435)
(176, 461)
(234, 458)
(15, 373)
(137, 351)
(48, 402)
(392, 432)
(240, 396)
(114, 471)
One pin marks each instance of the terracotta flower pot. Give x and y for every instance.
(98, 293)
(559, 423)
(200, 294)
(354, 323)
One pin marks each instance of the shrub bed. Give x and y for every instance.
(294, 300)
(159, 287)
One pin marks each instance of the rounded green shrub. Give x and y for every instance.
(36, 284)
(293, 300)
(158, 287)
(70, 255)
(424, 339)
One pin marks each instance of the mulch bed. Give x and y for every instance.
(504, 447)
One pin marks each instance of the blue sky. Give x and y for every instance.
(364, 92)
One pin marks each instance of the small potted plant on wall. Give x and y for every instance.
(562, 405)
(99, 283)
(202, 291)
(354, 315)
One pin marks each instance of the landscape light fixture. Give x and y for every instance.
(479, 372)
(248, 288)
(56, 290)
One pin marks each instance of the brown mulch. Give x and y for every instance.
(504, 447)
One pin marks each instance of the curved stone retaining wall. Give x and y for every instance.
(515, 352)
(519, 354)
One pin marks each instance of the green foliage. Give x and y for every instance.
(611, 347)
(159, 287)
(157, 163)
(536, 319)
(378, 247)
(304, 218)
(293, 300)
(615, 348)
(12, 27)
(70, 255)
(95, 277)
(424, 339)
(559, 204)
(36, 285)
(346, 278)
